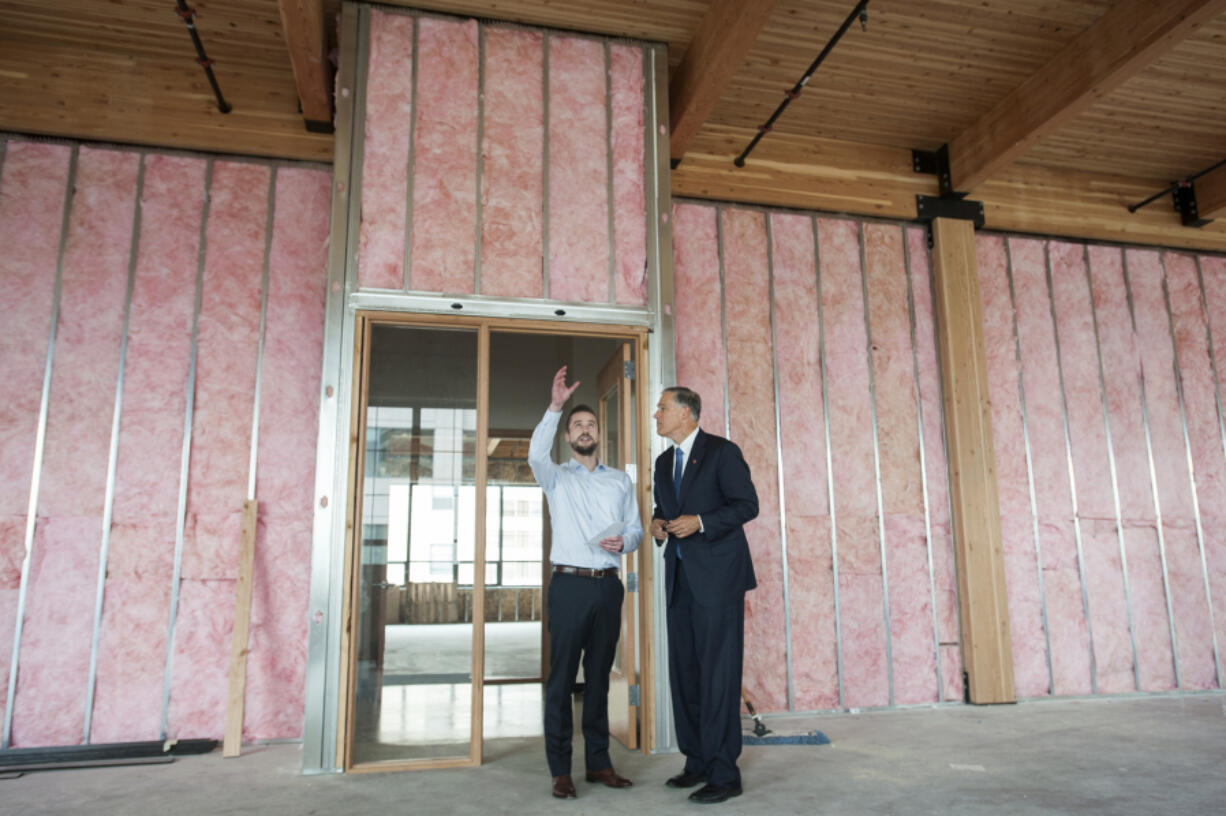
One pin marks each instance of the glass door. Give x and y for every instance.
(417, 583)
(444, 633)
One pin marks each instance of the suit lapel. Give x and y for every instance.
(694, 463)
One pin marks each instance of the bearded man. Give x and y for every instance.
(595, 519)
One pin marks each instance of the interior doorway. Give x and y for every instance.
(445, 630)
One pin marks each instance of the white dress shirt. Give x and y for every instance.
(687, 445)
(582, 502)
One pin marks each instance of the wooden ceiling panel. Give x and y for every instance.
(916, 76)
(1166, 123)
(147, 101)
(232, 30)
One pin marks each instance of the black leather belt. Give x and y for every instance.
(584, 571)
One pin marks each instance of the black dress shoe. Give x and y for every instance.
(710, 794)
(685, 779)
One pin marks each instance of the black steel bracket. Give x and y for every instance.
(935, 163)
(929, 208)
(1185, 204)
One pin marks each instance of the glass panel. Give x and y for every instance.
(413, 686)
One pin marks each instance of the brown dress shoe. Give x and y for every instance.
(564, 787)
(609, 777)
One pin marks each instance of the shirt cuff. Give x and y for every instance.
(701, 529)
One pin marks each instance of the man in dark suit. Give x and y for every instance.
(703, 497)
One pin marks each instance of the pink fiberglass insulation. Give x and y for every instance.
(1213, 274)
(940, 540)
(1122, 377)
(861, 608)
(32, 192)
(752, 414)
(140, 563)
(1027, 635)
(511, 170)
(629, 202)
(1193, 634)
(228, 338)
(200, 678)
(226, 349)
(893, 370)
(913, 648)
(698, 310)
(578, 172)
(912, 644)
(1200, 399)
(810, 573)
(389, 112)
(445, 158)
(1066, 621)
(57, 629)
(289, 406)
(1100, 540)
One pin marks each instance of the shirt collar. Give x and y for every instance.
(573, 464)
(687, 444)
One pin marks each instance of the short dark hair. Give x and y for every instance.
(581, 409)
(688, 398)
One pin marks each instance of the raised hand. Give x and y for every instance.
(561, 391)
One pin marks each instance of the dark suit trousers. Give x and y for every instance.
(705, 648)
(585, 616)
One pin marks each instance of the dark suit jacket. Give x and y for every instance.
(716, 486)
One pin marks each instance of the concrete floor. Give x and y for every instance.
(1138, 755)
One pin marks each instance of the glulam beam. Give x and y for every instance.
(1126, 39)
(724, 37)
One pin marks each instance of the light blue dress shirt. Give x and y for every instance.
(582, 502)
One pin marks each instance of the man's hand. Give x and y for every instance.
(658, 531)
(613, 544)
(561, 391)
(683, 526)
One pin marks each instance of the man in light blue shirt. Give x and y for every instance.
(595, 519)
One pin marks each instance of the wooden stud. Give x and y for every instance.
(724, 37)
(233, 743)
(1125, 40)
(982, 597)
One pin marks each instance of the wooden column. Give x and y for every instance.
(982, 599)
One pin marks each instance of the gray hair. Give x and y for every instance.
(688, 398)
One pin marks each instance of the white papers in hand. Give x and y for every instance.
(613, 529)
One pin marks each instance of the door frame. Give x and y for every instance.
(363, 322)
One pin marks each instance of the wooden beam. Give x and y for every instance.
(1211, 194)
(720, 44)
(983, 603)
(233, 744)
(877, 180)
(1129, 37)
(303, 24)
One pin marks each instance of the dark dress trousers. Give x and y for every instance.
(706, 589)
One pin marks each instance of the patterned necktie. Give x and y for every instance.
(678, 469)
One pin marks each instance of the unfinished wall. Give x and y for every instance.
(1106, 407)
(811, 342)
(502, 161)
(134, 293)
